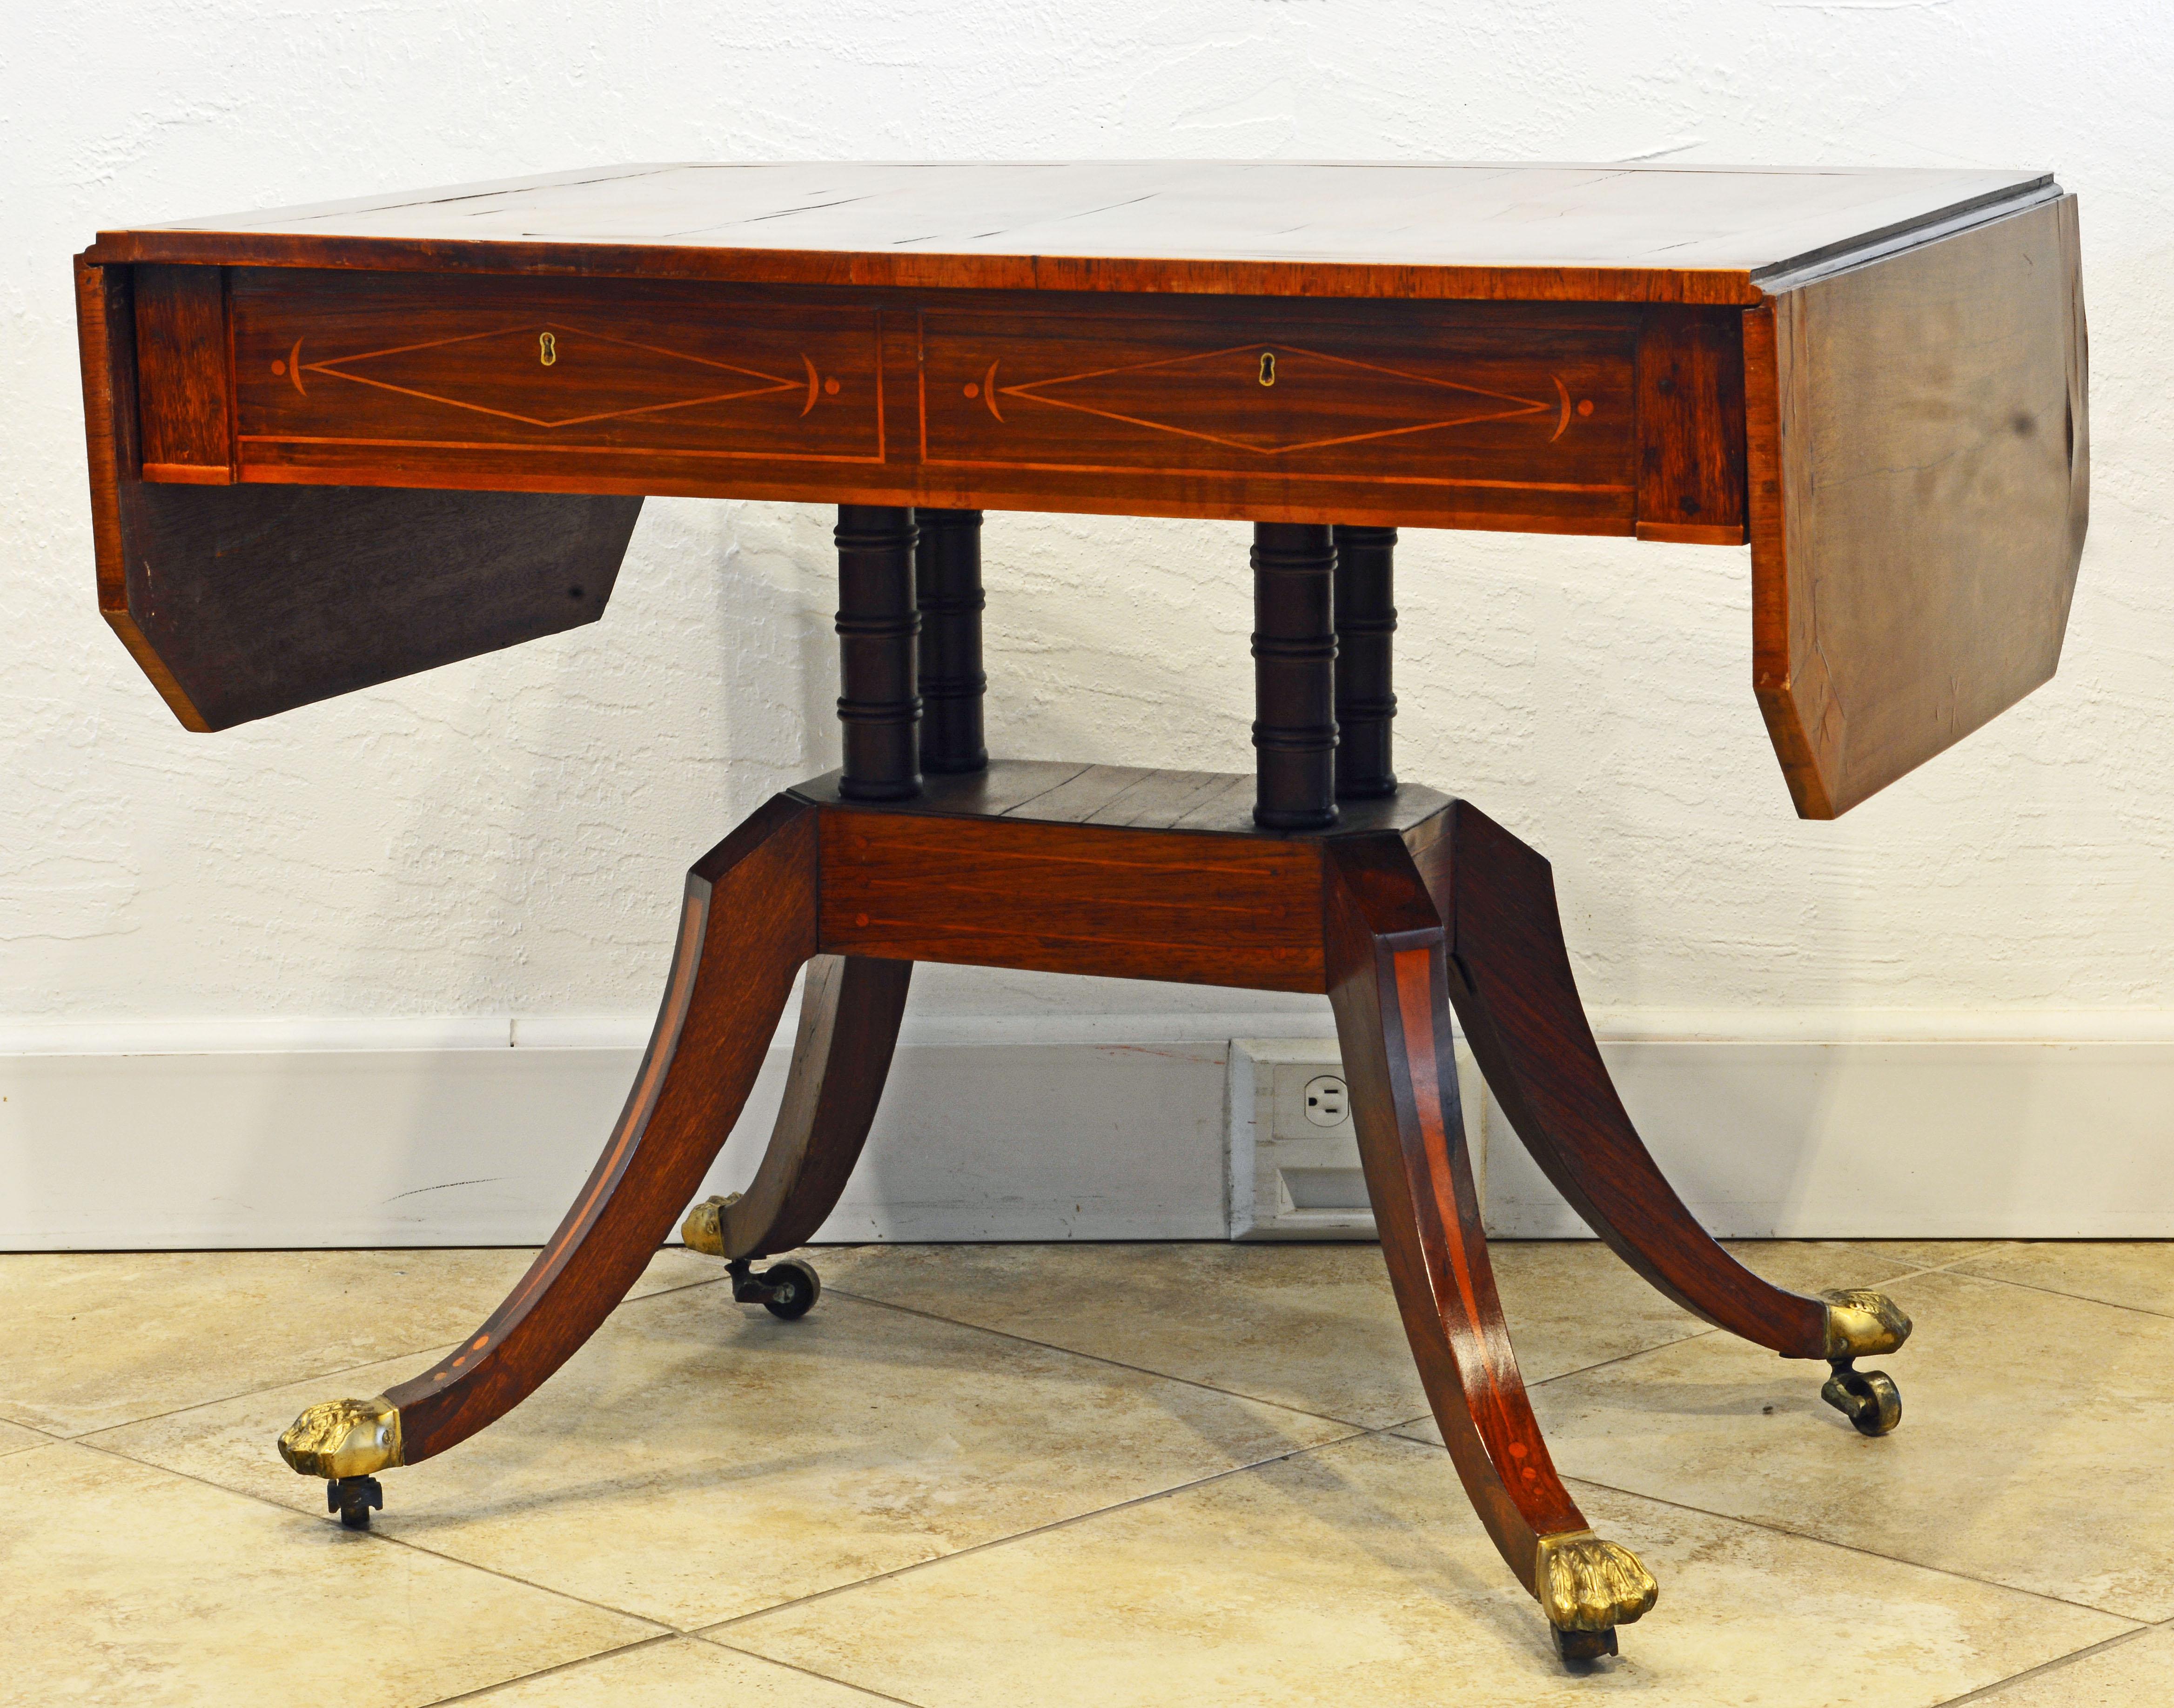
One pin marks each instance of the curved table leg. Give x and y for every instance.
(1388, 973)
(747, 923)
(1510, 980)
(850, 1010)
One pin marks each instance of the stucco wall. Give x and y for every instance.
(507, 836)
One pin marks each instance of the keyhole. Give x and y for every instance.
(547, 349)
(1267, 367)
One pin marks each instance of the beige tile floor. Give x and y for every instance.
(1106, 1474)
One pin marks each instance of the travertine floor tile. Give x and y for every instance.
(125, 1584)
(2037, 1447)
(699, 1459)
(1312, 1327)
(1357, 1574)
(673, 1673)
(2137, 1673)
(2138, 1274)
(15, 1439)
(1890, 1258)
(95, 1338)
(1807, 1266)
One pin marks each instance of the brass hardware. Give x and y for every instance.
(1861, 1324)
(338, 1439)
(703, 1229)
(547, 349)
(1869, 1398)
(1267, 367)
(1587, 1585)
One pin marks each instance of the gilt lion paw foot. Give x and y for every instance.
(339, 1439)
(703, 1229)
(1588, 1587)
(1861, 1324)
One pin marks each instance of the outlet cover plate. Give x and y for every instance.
(1292, 1178)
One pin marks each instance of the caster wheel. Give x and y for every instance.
(1584, 1645)
(352, 1498)
(794, 1289)
(1869, 1398)
(787, 1290)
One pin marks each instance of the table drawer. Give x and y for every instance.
(1488, 397)
(616, 368)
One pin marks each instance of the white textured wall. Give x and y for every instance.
(508, 835)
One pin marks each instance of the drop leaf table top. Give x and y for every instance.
(1874, 377)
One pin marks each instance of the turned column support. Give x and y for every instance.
(1366, 636)
(1293, 675)
(947, 568)
(878, 703)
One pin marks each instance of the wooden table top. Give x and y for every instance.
(1716, 235)
(445, 403)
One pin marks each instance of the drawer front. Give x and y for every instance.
(617, 371)
(1485, 398)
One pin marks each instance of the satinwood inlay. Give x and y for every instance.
(510, 373)
(1273, 399)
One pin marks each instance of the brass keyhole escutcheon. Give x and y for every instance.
(547, 349)
(1267, 367)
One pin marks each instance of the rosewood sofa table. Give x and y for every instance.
(333, 446)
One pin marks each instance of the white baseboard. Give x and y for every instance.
(1072, 1127)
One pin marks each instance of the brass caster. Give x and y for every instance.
(1862, 1324)
(1587, 1587)
(339, 1439)
(787, 1290)
(703, 1229)
(1584, 1645)
(1869, 1398)
(352, 1498)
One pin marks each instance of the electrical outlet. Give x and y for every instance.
(1328, 1100)
(1295, 1170)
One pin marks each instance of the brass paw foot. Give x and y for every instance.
(1863, 1325)
(703, 1229)
(1869, 1398)
(1588, 1587)
(342, 1439)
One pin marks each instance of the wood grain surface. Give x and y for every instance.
(1879, 377)
(1386, 964)
(258, 599)
(1919, 450)
(1604, 233)
(747, 925)
(1509, 979)
(181, 365)
(850, 1010)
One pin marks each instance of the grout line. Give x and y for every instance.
(806, 1672)
(325, 1375)
(708, 1632)
(1988, 1692)
(1705, 1333)
(1778, 1529)
(435, 1349)
(1099, 1358)
(46, 1437)
(373, 1534)
(483, 1690)
(2061, 1292)
(1354, 1432)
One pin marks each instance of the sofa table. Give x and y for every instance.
(333, 446)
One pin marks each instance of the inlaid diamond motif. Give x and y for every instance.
(552, 375)
(1273, 398)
